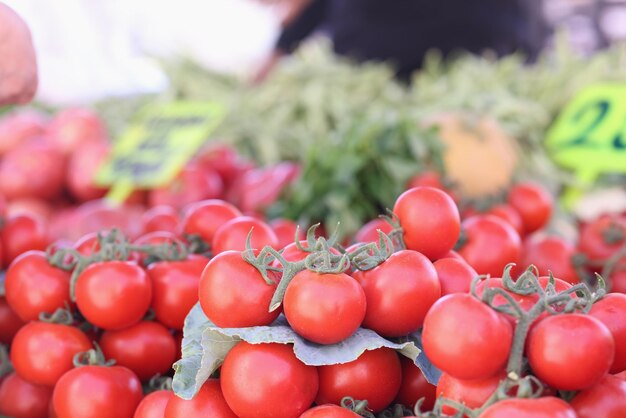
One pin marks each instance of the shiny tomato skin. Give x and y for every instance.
(205, 217)
(42, 352)
(33, 286)
(147, 348)
(611, 311)
(221, 296)
(533, 203)
(285, 230)
(153, 405)
(551, 254)
(555, 334)
(471, 393)
(399, 292)
(324, 308)
(592, 241)
(208, 402)
(10, 322)
(175, 287)
(430, 220)
(606, 399)
(369, 231)
(455, 276)
(329, 411)
(113, 294)
(414, 387)
(22, 233)
(509, 215)
(491, 244)
(233, 235)
(104, 392)
(466, 352)
(160, 218)
(22, 399)
(267, 380)
(547, 407)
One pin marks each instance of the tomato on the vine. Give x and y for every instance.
(285, 230)
(471, 393)
(606, 399)
(113, 294)
(360, 379)
(233, 235)
(153, 405)
(42, 352)
(611, 311)
(205, 217)
(573, 368)
(10, 322)
(369, 231)
(551, 254)
(414, 387)
(601, 238)
(466, 338)
(208, 402)
(34, 286)
(263, 380)
(399, 292)
(22, 233)
(329, 411)
(533, 203)
(547, 407)
(455, 275)
(22, 399)
(430, 220)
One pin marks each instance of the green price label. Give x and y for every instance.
(155, 148)
(589, 136)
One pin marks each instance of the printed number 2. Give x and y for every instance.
(601, 109)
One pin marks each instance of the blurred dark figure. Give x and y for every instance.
(402, 31)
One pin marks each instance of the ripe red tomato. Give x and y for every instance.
(329, 411)
(369, 231)
(509, 215)
(415, 387)
(611, 311)
(606, 399)
(20, 234)
(19, 127)
(30, 206)
(430, 179)
(10, 322)
(592, 241)
(324, 308)
(533, 203)
(191, 185)
(285, 230)
(205, 217)
(147, 348)
(551, 254)
(361, 379)
(471, 393)
(153, 405)
(34, 286)
(175, 287)
(451, 343)
(160, 218)
(548, 407)
(555, 334)
(430, 220)
(41, 352)
(455, 275)
(22, 399)
(222, 298)
(399, 292)
(104, 392)
(71, 127)
(84, 162)
(263, 380)
(491, 244)
(618, 281)
(233, 234)
(208, 402)
(113, 294)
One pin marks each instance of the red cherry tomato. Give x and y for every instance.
(263, 380)
(131, 347)
(233, 234)
(611, 311)
(471, 393)
(600, 239)
(430, 220)
(555, 334)
(429, 179)
(551, 254)
(205, 217)
(399, 292)
(329, 411)
(41, 352)
(104, 392)
(454, 275)
(491, 244)
(361, 379)
(153, 405)
(113, 294)
(222, 298)
(533, 203)
(160, 218)
(324, 308)
(451, 344)
(509, 215)
(606, 399)
(415, 387)
(209, 402)
(22, 399)
(369, 231)
(33, 286)
(285, 230)
(10, 322)
(175, 287)
(548, 407)
(22, 233)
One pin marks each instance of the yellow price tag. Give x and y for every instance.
(155, 148)
(589, 136)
